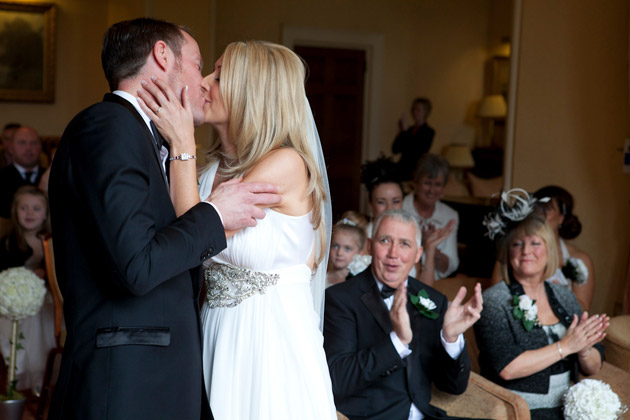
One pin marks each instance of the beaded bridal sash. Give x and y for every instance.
(228, 285)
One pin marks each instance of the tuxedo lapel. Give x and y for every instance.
(110, 97)
(372, 299)
(415, 321)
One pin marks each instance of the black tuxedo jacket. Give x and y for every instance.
(370, 380)
(127, 270)
(10, 181)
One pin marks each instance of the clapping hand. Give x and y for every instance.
(432, 236)
(584, 332)
(400, 316)
(459, 317)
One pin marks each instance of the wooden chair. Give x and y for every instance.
(60, 333)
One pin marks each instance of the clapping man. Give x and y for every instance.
(383, 351)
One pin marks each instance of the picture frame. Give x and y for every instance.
(27, 52)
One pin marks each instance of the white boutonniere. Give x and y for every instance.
(526, 310)
(424, 305)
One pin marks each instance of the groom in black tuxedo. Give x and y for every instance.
(126, 264)
(383, 353)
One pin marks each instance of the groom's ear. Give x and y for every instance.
(161, 54)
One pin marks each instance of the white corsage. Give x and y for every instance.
(424, 304)
(575, 270)
(592, 399)
(359, 263)
(526, 310)
(21, 293)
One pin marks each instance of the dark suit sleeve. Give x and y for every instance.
(448, 374)
(351, 368)
(110, 165)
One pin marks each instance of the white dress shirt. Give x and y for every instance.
(163, 151)
(453, 349)
(22, 170)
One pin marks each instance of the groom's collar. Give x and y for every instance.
(134, 102)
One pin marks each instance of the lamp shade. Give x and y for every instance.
(492, 106)
(459, 156)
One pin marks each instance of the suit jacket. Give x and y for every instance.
(370, 380)
(10, 181)
(127, 270)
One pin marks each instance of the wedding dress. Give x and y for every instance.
(263, 355)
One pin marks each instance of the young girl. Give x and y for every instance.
(346, 242)
(30, 221)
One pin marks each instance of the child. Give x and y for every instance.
(29, 222)
(23, 247)
(347, 240)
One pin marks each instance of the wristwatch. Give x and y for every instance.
(183, 156)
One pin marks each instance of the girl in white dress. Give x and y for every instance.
(263, 351)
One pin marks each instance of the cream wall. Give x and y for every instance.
(571, 120)
(434, 49)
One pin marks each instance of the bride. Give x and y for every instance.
(263, 356)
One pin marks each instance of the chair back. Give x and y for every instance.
(51, 276)
(449, 287)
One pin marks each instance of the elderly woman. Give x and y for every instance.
(533, 337)
(425, 204)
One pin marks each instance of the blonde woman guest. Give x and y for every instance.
(263, 356)
(533, 337)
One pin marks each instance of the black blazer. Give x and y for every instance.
(10, 181)
(370, 380)
(126, 268)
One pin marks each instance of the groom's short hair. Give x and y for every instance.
(127, 44)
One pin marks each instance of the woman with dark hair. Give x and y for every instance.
(385, 190)
(533, 337)
(575, 270)
(415, 141)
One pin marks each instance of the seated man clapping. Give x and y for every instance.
(388, 337)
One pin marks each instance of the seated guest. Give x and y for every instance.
(23, 247)
(6, 155)
(383, 351)
(533, 336)
(382, 182)
(575, 269)
(26, 147)
(413, 142)
(347, 241)
(425, 204)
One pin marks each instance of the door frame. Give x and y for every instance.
(373, 45)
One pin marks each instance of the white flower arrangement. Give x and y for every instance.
(359, 263)
(21, 293)
(592, 399)
(428, 304)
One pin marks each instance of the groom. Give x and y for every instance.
(125, 262)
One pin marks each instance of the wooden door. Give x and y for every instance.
(335, 88)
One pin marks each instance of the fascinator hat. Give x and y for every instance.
(515, 205)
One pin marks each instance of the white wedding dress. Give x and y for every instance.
(263, 355)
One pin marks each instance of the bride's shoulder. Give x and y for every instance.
(279, 166)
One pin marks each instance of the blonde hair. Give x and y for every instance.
(262, 85)
(532, 225)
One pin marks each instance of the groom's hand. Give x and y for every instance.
(242, 203)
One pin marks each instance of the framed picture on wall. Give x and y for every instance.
(27, 52)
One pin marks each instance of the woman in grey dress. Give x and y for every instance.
(533, 336)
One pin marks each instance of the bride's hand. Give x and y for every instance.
(173, 118)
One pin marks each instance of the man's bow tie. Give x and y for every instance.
(387, 291)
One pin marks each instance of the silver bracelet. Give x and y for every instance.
(183, 156)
